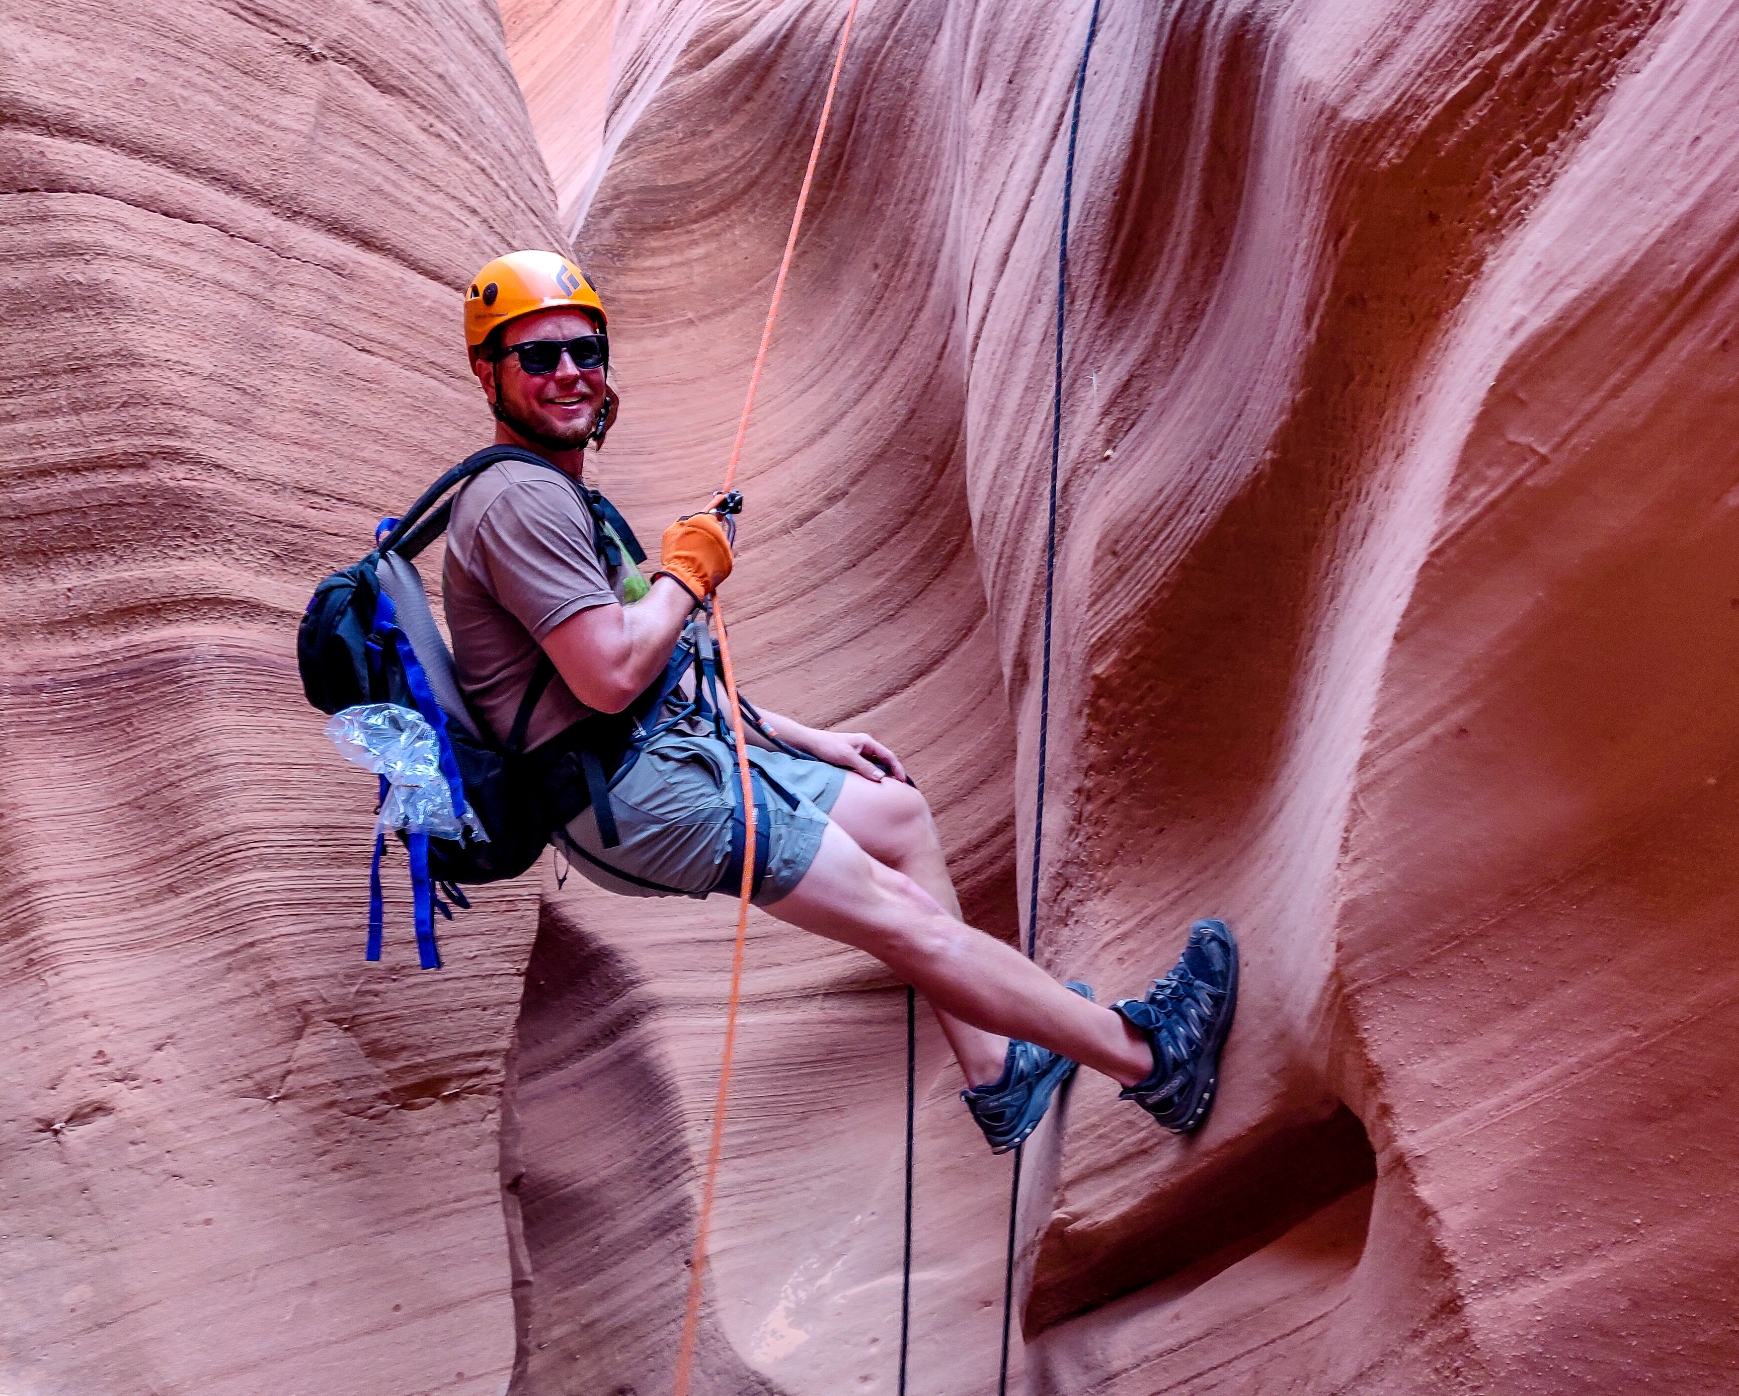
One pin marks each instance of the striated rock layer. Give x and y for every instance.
(1396, 621)
(236, 1158)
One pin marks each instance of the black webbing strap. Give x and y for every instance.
(731, 875)
(598, 786)
(570, 846)
(911, 1152)
(429, 529)
(540, 680)
(613, 516)
(472, 464)
(426, 520)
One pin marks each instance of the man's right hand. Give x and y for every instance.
(697, 553)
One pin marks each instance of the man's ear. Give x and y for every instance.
(485, 375)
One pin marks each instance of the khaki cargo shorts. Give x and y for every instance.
(676, 811)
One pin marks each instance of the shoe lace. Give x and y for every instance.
(1185, 1005)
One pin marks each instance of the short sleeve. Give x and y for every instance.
(536, 553)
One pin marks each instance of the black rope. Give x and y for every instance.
(911, 1143)
(1032, 920)
(1008, 1274)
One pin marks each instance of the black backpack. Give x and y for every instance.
(369, 636)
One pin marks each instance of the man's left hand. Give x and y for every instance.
(856, 751)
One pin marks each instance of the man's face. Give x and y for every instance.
(557, 409)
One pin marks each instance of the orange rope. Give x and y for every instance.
(790, 247)
(715, 1148)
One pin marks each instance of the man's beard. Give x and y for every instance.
(570, 439)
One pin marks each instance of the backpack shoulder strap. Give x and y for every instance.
(606, 518)
(407, 539)
(613, 516)
(540, 680)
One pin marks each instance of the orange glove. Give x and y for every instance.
(697, 553)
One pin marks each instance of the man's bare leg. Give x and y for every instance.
(990, 988)
(891, 822)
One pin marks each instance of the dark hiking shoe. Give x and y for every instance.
(1010, 1107)
(1185, 1017)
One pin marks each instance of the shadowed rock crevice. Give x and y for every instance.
(1247, 1196)
(1208, 673)
(594, 1172)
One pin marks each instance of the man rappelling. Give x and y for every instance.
(558, 638)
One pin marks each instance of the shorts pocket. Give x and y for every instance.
(674, 781)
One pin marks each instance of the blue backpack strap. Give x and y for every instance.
(423, 895)
(422, 888)
(376, 902)
(655, 721)
(763, 843)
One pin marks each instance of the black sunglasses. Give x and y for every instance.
(540, 356)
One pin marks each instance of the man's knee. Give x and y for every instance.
(906, 825)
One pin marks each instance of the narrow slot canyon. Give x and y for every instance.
(1393, 617)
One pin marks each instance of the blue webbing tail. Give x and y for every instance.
(423, 894)
(422, 886)
(376, 902)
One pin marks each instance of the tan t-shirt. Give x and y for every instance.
(520, 560)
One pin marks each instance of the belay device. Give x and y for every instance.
(369, 636)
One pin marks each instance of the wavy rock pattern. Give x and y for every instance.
(1396, 623)
(237, 1159)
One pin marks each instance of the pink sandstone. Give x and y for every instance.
(1397, 622)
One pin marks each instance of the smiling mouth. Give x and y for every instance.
(566, 401)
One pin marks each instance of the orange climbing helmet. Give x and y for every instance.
(520, 283)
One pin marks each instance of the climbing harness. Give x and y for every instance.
(1032, 920)
(715, 1146)
(369, 638)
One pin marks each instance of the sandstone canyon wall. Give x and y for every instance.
(1396, 622)
(236, 1158)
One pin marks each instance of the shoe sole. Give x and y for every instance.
(1048, 1085)
(1204, 1096)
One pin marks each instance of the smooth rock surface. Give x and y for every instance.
(1396, 622)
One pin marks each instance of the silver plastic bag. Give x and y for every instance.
(398, 743)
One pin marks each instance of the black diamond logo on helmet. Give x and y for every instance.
(566, 279)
